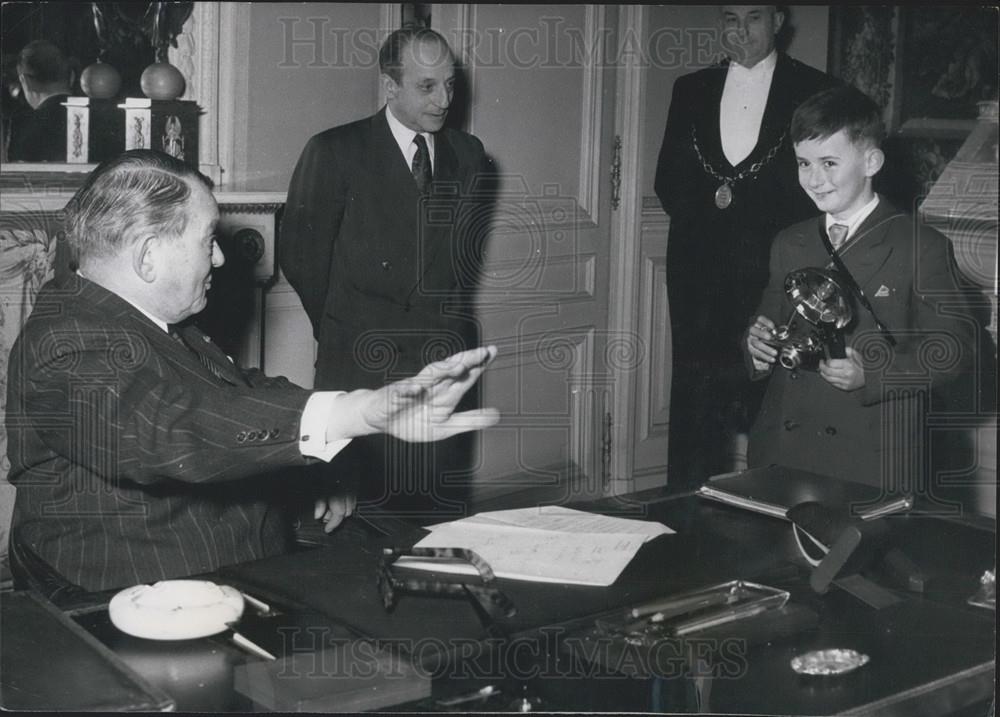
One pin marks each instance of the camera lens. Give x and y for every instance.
(790, 357)
(825, 290)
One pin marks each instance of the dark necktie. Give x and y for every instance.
(421, 166)
(203, 358)
(837, 233)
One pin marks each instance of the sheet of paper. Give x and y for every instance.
(560, 519)
(526, 554)
(551, 544)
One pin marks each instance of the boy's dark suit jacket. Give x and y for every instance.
(872, 435)
(132, 461)
(382, 272)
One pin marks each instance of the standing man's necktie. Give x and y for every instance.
(421, 167)
(838, 233)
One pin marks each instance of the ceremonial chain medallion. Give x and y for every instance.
(723, 196)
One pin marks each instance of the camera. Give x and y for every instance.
(821, 312)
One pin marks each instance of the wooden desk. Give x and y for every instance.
(931, 654)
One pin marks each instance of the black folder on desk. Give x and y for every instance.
(773, 490)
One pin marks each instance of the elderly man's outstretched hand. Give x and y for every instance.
(422, 409)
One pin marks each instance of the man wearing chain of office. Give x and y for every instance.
(726, 175)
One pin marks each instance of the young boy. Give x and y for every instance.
(861, 417)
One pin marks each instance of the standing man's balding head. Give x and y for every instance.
(749, 32)
(418, 76)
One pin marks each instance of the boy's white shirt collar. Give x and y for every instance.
(856, 219)
(404, 138)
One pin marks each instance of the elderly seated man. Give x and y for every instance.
(140, 451)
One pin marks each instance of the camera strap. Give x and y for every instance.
(852, 283)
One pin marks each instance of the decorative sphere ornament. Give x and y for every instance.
(162, 81)
(100, 81)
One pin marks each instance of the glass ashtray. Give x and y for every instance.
(828, 662)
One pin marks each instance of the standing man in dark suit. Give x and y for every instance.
(378, 240)
(140, 451)
(726, 176)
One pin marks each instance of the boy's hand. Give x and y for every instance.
(762, 354)
(847, 374)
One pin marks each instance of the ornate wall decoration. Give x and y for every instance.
(928, 67)
(863, 49)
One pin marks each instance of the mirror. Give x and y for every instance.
(37, 77)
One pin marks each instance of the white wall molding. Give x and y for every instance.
(234, 90)
(197, 57)
(623, 307)
(591, 115)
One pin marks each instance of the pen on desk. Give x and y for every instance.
(643, 623)
(251, 647)
(893, 506)
(718, 618)
(662, 609)
(480, 694)
(259, 605)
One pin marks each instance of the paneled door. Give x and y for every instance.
(572, 284)
(542, 82)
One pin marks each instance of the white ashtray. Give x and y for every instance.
(828, 662)
(176, 609)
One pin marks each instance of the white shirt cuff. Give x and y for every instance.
(312, 429)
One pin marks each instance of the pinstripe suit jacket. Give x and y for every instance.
(132, 461)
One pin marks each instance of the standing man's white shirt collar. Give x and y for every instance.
(855, 220)
(764, 66)
(404, 138)
(741, 110)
